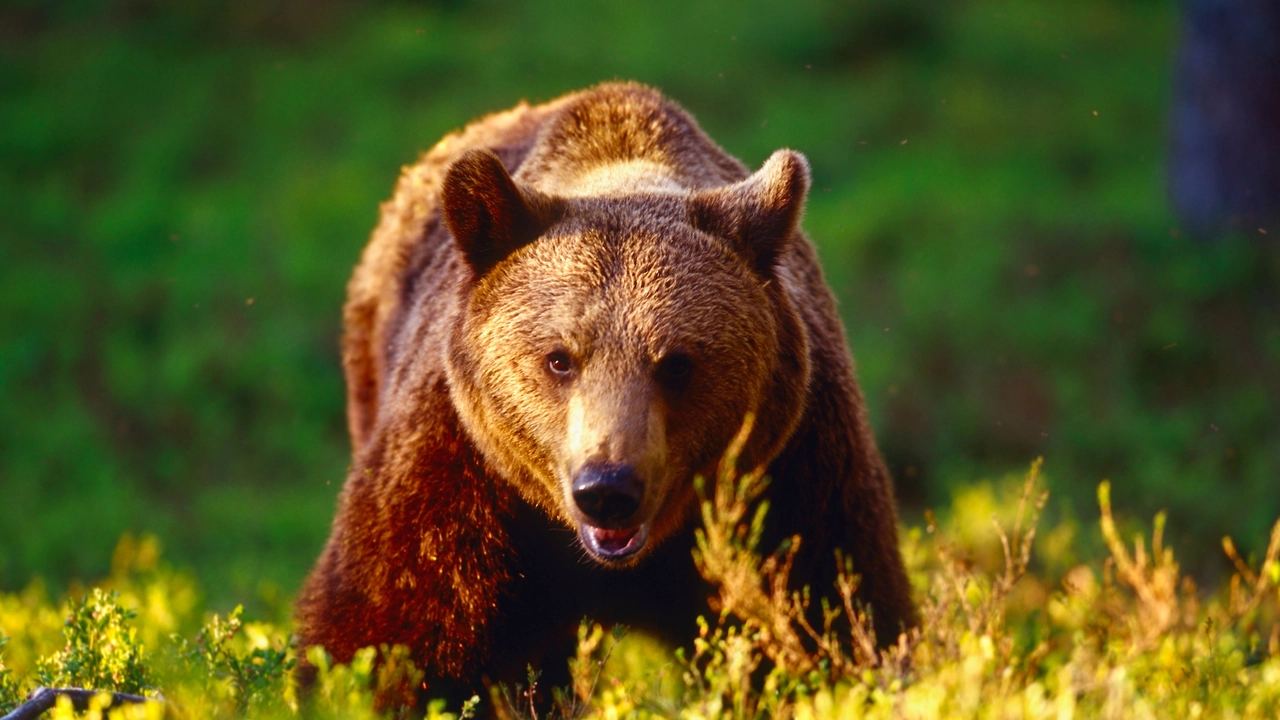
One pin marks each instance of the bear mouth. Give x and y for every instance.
(611, 546)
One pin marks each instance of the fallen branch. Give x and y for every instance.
(43, 699)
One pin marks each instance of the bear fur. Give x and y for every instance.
(589, 288)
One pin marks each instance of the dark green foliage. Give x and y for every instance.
(102, 650)
(184, 188)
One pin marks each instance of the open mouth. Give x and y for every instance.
(610, 546)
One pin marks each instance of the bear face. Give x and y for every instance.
(617, 329)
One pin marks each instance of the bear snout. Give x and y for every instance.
(608, 494)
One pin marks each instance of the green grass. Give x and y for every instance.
(1013, 626)
(184, 189)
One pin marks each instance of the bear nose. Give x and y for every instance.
(607, 493)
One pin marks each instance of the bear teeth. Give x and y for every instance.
(614, 544)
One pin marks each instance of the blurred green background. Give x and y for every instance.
(185, 187)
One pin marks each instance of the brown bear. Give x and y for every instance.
(564, 315)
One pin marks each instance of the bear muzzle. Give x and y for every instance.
(608, 496)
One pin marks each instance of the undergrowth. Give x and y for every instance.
(1010, 628)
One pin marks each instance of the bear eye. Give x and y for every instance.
(675, 368)
(559, 363)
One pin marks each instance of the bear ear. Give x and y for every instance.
(758, 214)
(488, 215)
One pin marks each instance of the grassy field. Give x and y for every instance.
(1125, 636)
(184, 189)
(183, 193)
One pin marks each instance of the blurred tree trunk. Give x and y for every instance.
(1225, 162)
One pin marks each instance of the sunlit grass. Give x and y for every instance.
(1007, 630)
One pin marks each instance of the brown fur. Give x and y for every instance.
(606, 227)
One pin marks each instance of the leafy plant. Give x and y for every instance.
(231, 668)
(102, 651)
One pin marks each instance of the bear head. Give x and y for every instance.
(616, 329)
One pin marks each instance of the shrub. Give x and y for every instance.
(102, 650)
